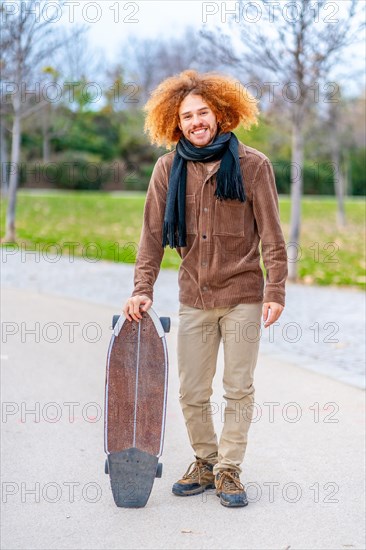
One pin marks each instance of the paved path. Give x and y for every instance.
(304, 479)
(321, 329)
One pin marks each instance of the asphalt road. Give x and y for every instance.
(304, 467)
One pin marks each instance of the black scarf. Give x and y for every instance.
(229, 183)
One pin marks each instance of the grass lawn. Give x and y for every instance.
(107, 226)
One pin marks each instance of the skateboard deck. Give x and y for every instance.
(135, 406)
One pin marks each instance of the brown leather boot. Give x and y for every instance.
(230, 490)
(197, 478)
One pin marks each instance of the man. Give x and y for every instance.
(213, 199)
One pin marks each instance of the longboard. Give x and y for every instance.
(135, 406)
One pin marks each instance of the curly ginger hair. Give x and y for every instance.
(228, 98)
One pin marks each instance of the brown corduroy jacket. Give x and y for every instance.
(221, 264)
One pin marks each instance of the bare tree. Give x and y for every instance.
(28, 41)
(4, 109)
(297, 51)
(149, 61)
(333, 126)
(4, 146)
(345, 127)
(4, 158)
(74, 64)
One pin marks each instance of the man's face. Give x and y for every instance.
(197, 121)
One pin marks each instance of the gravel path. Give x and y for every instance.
(321, 328)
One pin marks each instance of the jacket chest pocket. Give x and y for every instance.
(191, 215)
(229, 218)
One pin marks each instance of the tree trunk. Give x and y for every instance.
(14, 173)
(294, 251)
(3, 161)
(46, 147)
(339, 186)
(46, 134)
(338, 176)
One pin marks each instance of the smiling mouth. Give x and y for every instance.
(199, 132)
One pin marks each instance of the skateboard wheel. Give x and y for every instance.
(115, 320)
(165, 321)
(159, 468)
(106, 466)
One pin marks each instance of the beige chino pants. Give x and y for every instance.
(199, 335)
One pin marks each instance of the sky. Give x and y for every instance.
(115, 20)
(111, 22)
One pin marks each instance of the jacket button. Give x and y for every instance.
(205, 209)
(204, 236)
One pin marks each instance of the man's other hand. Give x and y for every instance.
(133, 305)
(271, 312)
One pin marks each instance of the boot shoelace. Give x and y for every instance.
(229, 481)
(196, 471)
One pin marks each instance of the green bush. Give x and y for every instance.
(318, 177)
(357, 172)
(72, 174)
